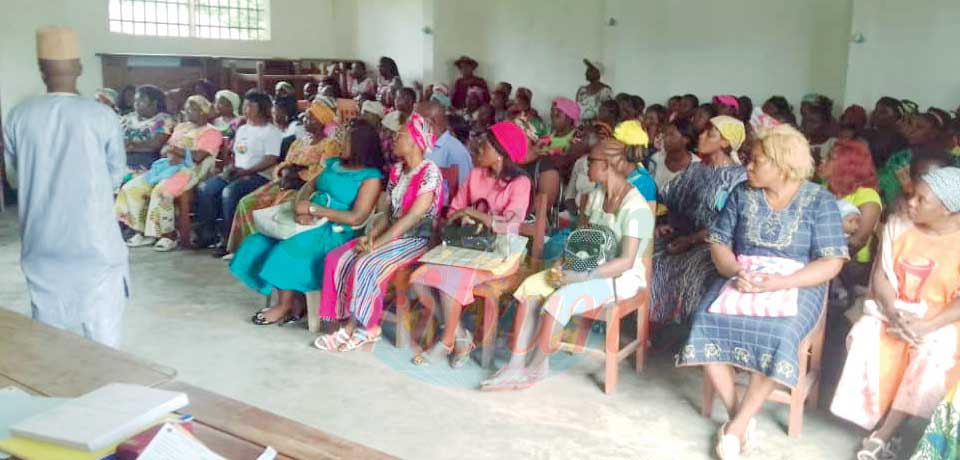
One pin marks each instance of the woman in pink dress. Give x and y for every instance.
(495, 194)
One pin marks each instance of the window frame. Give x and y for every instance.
(191, 25)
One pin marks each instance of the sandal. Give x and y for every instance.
(461, 355)
(425, 358)
(360, 338)
(260, 319)
(728, 445)
(503, 381)
(332, 342)
(874, 448)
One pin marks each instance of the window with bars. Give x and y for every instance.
(216, 19)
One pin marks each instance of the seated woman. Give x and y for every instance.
(678, 142)
(145, 204)
(615, 204)
(147, 128)
(551, 162)
(306, 158)
(497, 195)
(681, 262)
(256, 150)
(903, 352)
(791, 227)
(227, 105)
(923, 132)
(357, 275)
(850, 176)
(286, 117)
(346, 193)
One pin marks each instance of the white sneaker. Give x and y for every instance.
(139, 241)
(227, 257)
(165, 245)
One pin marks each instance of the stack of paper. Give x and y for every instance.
(101, 418)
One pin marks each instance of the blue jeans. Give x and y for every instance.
(217, 198)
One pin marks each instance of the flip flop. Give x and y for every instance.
(260, 320)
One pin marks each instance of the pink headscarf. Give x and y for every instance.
(569, 107)
(727, 100)
(422, 132)
(512, 139)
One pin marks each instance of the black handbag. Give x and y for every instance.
(475, 236)
(588, 247)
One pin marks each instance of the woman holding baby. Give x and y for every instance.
(903, 352)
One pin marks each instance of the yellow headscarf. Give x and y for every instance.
(322, 113)
(631, 133)
(201, 103)
(731, 129)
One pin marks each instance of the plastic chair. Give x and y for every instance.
(612, 315)
(492, 291)
(808, 387)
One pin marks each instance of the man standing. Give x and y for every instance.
(66, 156)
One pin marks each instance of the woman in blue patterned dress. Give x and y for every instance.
(681, 260)
(782, 217)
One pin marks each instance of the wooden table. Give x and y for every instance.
(50, 362)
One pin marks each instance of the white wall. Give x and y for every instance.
(299, 28)
(909, 51)
(389, 28)
(656, 49)
(526, 43)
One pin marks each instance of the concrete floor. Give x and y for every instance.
(188, 313)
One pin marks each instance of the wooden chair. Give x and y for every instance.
(808, 386)
(401, 280)
(612, 315)
(348, 109)
(492, 291)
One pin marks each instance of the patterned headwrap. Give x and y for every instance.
(284, 85)
(391, 121)
(847, 208)
(231, 96)
(631, 133)
(111, 94)
(422, 132)
(760, 120)
(568, 107)
(322, 113)
(732, 130)
(728, 100)
(441, 88)
(201, 103)
(373, 107)
(945, 184)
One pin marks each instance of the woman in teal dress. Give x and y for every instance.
(346, 194)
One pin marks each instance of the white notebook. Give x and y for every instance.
(102, 417)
